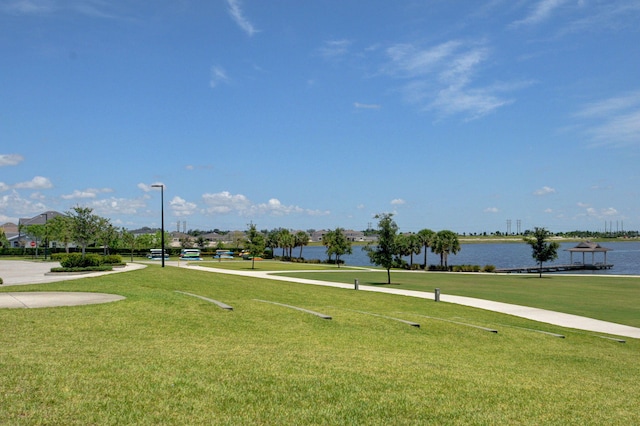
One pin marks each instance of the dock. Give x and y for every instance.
(555, 268)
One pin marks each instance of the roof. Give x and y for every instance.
(588, 247)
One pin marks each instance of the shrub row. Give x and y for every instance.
(462, 268)
(91, 260)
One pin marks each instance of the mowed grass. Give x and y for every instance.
(609, 298)
(162, 357)
(269, 265)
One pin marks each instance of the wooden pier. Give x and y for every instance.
(555, 268)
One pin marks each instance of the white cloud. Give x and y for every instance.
(218, 75)
(37, 182)
(19, 205)
(398, 202)
(4, 187)
(540, 12)
(548, 210)
(87, 193)
(366, 106)
(28, 7)
(227, 203)
(545, 190)
(614, 121)
(235, 10)
(491, 210)
(181, 207)
(334, 48)
(148, 188)
(116, 206)
(442, 77)
(10, 159)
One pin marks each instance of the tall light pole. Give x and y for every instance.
(46, 234)
(161, 186)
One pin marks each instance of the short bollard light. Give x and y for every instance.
(437, 294)
(355, 284)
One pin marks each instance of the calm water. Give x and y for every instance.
(625, 256)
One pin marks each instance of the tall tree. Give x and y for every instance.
(542, 251)
(301, 239)
(286, 240)
(107, 234)
(39, 232)
(61, 230)
(446, 243)
(255, 243)
(128, 240)
(382, 253)
(426, 237)
(337, 244)
(85, 226)
(413, 246)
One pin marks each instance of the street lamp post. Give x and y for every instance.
(46, 234)
(162, 217)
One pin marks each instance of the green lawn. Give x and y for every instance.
(615, 299)
(161, 357)
(269, 265)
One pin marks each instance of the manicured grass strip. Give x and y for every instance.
(608, 298)
(318, 314)
(220, 304)
(411, 323)
(271, 265)
(491, 330)
(613, 338)
(560, 336)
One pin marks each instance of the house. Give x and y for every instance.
(350, 234)
(16, 234)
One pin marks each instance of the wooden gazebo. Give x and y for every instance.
(589, 247)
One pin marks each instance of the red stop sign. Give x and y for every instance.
(33, 243)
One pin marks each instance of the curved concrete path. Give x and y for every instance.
(18, 272)
(540, 315)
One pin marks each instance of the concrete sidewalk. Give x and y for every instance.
(18, 272)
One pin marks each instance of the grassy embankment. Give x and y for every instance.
(161, 357)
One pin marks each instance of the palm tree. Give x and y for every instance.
(426, 237)
(446, 242)
(414, 245)
(301, 239)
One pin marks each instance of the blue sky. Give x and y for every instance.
(456, 115)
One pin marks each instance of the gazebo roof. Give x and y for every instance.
(588, 247)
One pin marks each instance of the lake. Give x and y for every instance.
(625, 256)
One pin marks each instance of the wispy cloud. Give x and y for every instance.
(444, 78)
(334, 48)
(37, 182)
(398, 202)
(491, 210)
(90, 8)
(86, 193)
(235, 10)
(27, 7)
(540, 12)
(218, 75)
(545, 190)
(359, 105)
(10, 159)
(149, 187)
(614, 121)
(226, 203)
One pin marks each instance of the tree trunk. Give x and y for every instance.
(389, 276)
